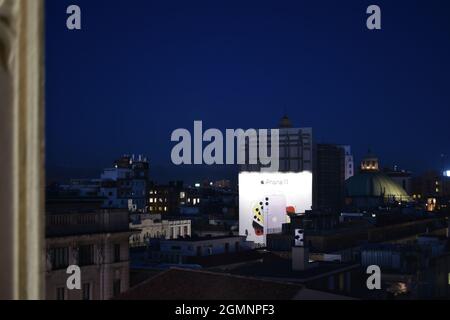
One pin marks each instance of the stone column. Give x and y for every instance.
(22, 253)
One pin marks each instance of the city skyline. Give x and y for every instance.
(210, 151)
(240, 66)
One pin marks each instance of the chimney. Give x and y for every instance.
(300, 252)
(300, 258)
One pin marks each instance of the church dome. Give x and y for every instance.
(374, 184)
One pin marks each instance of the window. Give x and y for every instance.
(86, 291)
(86, 255)
(117, 253)
(116, 287)
(60, 293)
(59, 258)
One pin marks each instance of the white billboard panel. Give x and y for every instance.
(265, 198)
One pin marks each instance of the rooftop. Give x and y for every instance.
(181, 284)
(374, 184)
(273, 266)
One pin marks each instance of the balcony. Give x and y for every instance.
(75, 223)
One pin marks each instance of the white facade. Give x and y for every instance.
(349, 162)
(153, 227)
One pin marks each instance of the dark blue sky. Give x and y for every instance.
(140, 69)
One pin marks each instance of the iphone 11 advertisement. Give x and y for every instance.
(267, 199)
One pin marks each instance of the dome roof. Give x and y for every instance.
(375, 184)
(285, 122)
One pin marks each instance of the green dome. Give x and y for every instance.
(374, 185)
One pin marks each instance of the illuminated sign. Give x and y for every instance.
(447, 173)
(265, 199)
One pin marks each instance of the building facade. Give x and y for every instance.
(179, 250)
(329, 176)
(156, 226)
(349, 162)
(295, 149)
(96, 242)
(125, 185)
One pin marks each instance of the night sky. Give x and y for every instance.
(140, 69)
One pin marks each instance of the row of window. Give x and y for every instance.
(59, 256)
(86, 291)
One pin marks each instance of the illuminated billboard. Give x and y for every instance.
(265, 198)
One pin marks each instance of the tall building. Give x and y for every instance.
(349, 162)
(295, 149)
(296, 146)
(266, 199)
(329, 176)
(125, 185)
